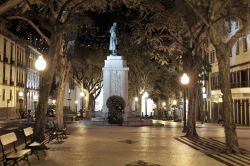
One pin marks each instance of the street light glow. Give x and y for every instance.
(203, 89)
(76, 102)
(40, 63)
(54, 101)
(35, 98)
(174, 102)
(163, 103)
(184, 79)
(20, 94)
(136, 98)
(81, 94)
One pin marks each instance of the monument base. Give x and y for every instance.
(115, 82)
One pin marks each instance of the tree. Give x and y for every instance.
(175, 38)
(214, 14)
(86, 71)
(51, 21)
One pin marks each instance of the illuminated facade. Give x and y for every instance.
(17, 75)
(239, 77)
(32, 83)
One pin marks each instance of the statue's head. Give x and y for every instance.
(115, 24)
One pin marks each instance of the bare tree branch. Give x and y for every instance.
(197, 13)
(31, 24)
(9, 5)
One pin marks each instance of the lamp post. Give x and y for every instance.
(146, 97)
(40, 63)
(184, 81)
(76, 102)
(20, 97)
(162, 110)
(35, 100)
(69, 99)
(82, 106)
(174, 112)
(136, 104)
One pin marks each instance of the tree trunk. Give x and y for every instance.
(90, 106)
(86, 105)
(192, 105)
(64, 71)
(224, 75)
(45, 86)
(139, 104)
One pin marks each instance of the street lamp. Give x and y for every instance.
(82, 108)
(184, 81)
(76, 102)
(136, 104)
(162, 109)
(146, 97)
(174, 111)
(82, 96)
(35, 100)
(20, 97)
(174, 102)
(40, 63)
(54, 102)
(69, 99)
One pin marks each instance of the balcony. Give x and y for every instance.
(5, 59)
(12, 83)
(12, 62)
(20, 84)
(5, 82)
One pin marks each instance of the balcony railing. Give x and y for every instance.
(5, 59)
(5, 82)
(20, 84)
(12, 62)
(12, 83)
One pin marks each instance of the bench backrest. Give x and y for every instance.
(8, 138)
(28, 131)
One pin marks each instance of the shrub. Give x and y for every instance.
(116, 105)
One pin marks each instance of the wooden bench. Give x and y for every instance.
(13, 155)
(55, 132)
(33, 145)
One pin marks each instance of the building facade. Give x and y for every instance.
(15, 80)
(239, 77)
(32, 82)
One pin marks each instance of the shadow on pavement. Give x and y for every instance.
(216, 150)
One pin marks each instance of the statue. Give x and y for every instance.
(113, 39)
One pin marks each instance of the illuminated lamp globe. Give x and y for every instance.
(82, 94)
(184, 79)
(163, 104)
(40, 63)
(35, 98)
(20, 94)
(136, 98)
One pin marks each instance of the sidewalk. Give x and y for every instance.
(135, 146)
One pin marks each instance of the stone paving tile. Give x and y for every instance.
(131, 146)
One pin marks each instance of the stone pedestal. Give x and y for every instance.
(115, 82)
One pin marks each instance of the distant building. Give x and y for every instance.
(240, 80)
(18, 79)
(32, 83)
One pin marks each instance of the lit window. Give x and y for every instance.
(245, 44)
(237, 47)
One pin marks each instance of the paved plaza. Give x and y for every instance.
(89, 145)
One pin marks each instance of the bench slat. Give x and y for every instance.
(28, 131)
(18, 154)
(8, 138)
